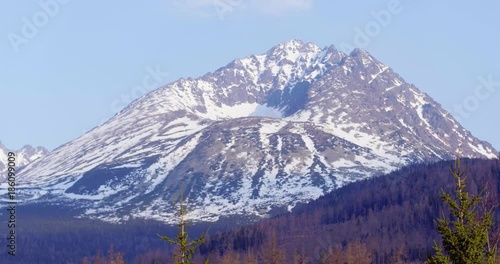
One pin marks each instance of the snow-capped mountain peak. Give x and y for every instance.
(24, 156)
(262, 133)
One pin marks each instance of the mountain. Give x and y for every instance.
(254, 138)
(24, 156)
(392, 215)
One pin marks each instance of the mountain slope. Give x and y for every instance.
(392, 215)
(263, 133)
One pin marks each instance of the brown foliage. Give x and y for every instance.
(387, 219)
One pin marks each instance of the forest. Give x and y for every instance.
(386, 219)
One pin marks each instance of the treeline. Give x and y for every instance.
(388, 219)
(52, 234)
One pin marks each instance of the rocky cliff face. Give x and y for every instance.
(262, 133)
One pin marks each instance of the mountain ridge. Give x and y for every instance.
(264, 132)
(25, 155)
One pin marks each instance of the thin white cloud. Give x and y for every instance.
(280, 7)
(194, 4)
(203, 8)
(223, 8)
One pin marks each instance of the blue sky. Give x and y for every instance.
(67, 66)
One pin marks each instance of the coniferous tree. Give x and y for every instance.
(99, 259)
(114, 257)
(465, 234)
(397, 256)
(298, 258)
(230, 257)
(357, 253)
(186, 247)
(272, 254)
(335, 255)
(250, 258)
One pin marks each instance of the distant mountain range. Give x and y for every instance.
(24, 156)
(255, 137)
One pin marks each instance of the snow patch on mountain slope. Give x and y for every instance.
(158, 171)
(354, 118)
(268, 129)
